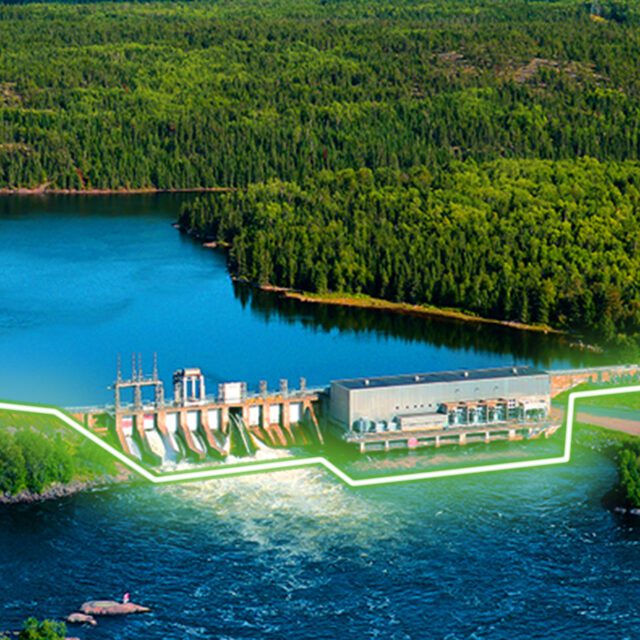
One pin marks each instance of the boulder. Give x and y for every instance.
(111, 608)
(81, 618)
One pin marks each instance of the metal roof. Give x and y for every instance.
(441, 376)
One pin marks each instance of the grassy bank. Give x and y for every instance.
(621, 447)
(617, 401)
(41, 457)
(624, 450)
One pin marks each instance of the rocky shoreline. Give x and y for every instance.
(58, 491)
(631, 511)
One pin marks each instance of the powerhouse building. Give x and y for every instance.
(443, 400)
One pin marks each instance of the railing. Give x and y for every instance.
(209, 399)
(90, 409)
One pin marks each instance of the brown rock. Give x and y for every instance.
(111, 608)
(81, 618)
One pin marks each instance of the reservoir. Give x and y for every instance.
(524, 554)
(87, 278)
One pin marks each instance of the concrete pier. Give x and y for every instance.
(397, 441)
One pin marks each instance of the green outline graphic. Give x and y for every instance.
(297, 463)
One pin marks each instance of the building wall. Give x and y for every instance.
(384, 403)
(339, 404)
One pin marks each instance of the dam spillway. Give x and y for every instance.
(196, 426)
(371, 414)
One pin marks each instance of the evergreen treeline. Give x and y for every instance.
(526, 240)
(629, 470)
(111, 95)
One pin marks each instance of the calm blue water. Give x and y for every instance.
(84, 279)
(528, 554)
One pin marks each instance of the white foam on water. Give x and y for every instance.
(261, 455)
(293, 512)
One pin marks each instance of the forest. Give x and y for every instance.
(532, 241)
(480, 155)
(224, 94)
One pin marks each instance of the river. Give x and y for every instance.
(294, 554)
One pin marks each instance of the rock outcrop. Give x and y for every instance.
(81, 618)
(111, 608)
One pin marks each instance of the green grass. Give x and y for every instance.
(37, 451)
(616, 401)
(602, 439)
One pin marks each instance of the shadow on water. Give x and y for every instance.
(157, 205)
(538, 348)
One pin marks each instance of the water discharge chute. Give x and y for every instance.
(223, 442)
(258, 443)
(198, 441)
(153, 438)
(134, 449)
(192, 424)
(156, 444)
(241, 443)
(126, 433)
(175, 448)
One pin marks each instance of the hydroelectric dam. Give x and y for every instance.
(383, 414)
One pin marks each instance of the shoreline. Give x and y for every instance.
(44, 190)
(367, 302)
(362, 301)
(58, 491)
